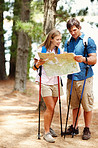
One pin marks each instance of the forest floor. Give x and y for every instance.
(19, 121)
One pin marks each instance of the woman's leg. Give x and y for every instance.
(48, 115)
(55, 100)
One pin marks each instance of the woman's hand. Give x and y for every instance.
(40, 62)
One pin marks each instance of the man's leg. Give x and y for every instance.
(87, 118)
(75, 115)
(86, 132)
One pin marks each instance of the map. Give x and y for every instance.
(59, 64)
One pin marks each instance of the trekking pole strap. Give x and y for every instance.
(40, 70)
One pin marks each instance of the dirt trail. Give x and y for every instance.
(19, 121)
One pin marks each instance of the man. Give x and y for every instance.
(75, 45)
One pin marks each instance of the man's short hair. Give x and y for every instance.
(73, 22)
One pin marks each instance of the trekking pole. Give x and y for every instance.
(73, 133)
(60, 106)
(68, 105)
(40, 73)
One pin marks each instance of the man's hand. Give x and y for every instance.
(79, 58)
(91, 59)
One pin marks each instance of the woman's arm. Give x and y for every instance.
(38, 63)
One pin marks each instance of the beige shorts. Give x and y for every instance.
(87, 99)
(50, 90)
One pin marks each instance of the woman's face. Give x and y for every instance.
(56, 40)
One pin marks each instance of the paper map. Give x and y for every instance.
(59, 64)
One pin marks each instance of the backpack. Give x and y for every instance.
(85, 42)
(44, 50)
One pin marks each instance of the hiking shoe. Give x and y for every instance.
(52, 132)
(86, 134)
(71, 130)
(49, 138)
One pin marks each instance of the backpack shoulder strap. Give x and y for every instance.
(85, 42)
(44, 50)
(85, 39)
(58, 51)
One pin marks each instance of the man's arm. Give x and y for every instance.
(91, 59)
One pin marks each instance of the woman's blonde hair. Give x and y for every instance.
(53, 33)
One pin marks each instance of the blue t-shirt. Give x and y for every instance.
(77, 47)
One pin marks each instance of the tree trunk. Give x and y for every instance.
(13, 49)
(49, 23)
(22, 50)
(2, 48)
(49, 15)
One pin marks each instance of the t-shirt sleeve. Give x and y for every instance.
(36, 54)
(91, 48)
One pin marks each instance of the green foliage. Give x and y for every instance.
(13, 46)
(7, 6)
(36, 18)
(64, 36)
(37, 7)
(83, 12)
(24, 26)
(96, 25)
(63, 14)
(92, 23)
(28, 63)
(33, 29)
(9, 18)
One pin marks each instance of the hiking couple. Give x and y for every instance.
(49, 85)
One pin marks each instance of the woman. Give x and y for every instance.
(49, 89)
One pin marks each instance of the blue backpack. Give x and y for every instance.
(44, 50)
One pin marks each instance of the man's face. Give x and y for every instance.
(75, 32)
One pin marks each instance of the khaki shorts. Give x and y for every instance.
(87, 99)
(50, 90)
